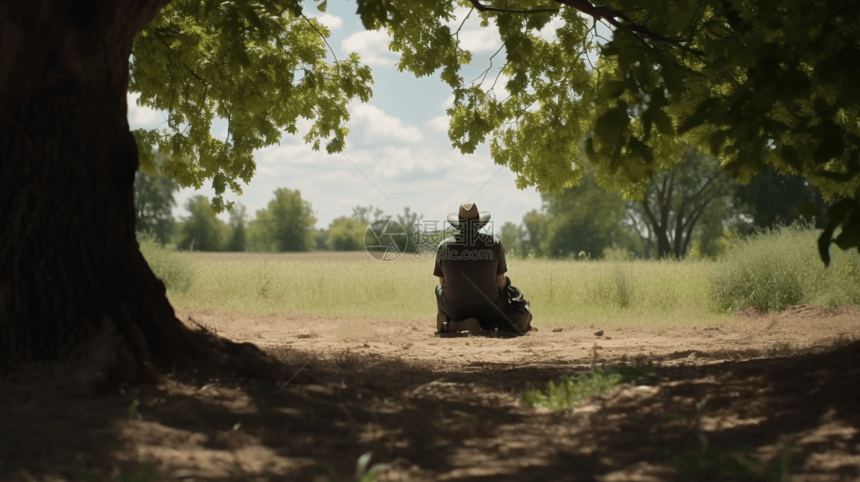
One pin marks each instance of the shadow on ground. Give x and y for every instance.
(794, 416)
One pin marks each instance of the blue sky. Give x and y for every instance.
(397, 153)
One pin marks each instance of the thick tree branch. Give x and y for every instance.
(668, 191)
(679, 229)
(694, 219)
(483, 8)
(700, 191)
(615, 18)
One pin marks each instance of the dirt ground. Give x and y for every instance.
(764, 397)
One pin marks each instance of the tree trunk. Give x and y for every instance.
(663, 246)
(73, 283)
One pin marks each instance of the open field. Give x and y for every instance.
(449, 408)
(354, 284)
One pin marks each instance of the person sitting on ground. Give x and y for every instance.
(474, 291)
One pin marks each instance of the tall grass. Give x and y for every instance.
(770, 269)
(561, 292)
(175, 270)
(780, 267)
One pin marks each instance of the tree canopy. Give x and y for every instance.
(201, 230)
(259, 64)
(677, 199)
(759, 86)
(287, 224)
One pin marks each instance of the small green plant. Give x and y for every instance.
(132, 409)
(175, 270)
(571, 389)
(362, 472)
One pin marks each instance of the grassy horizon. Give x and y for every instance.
(561, 292)
(770, 269)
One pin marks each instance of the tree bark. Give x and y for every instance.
(659, 227)
(73, 283)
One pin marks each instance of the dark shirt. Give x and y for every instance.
(470, 267)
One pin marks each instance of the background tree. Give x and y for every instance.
(238, 234)
(201, 230)
(773, 198)
(346, 234)
(536, 227)
(676, 199)
(321, 240)
(367, 214)
(585, 218)
(411, 223)
(286, 224)
(260, 239)
(512, 237)
(153, 205)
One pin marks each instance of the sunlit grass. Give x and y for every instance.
(604, 293)
(608, 293)
(782, 267)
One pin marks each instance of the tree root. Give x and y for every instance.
(111, 359)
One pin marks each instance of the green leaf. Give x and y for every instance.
(791, 157)
(322, 6)
(611, 90)
(837, 214)
(703, 112)
(642, 150)
(850, 235)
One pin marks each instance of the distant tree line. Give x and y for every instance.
(287, 224)
(693, 209)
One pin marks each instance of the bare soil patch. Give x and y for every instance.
(782, 387)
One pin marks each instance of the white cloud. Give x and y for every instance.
(548, 31)
(480, 39)
(439, 123)
(472, 36)
(377, 125)
(330, 21)
(140, 116)
(372, 47)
